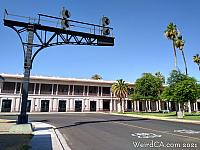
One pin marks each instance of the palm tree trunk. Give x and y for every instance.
(184, 62)
(175, 57)
(199, 66)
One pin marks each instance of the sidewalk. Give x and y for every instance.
(45, 136)
(159, 118)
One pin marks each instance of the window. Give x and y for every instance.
(78, 90)
(46, 88)
(31, 88)
(106, 90)
(93, 90)
(63, 89)
(8, 87)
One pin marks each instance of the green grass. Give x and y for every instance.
(192, 116)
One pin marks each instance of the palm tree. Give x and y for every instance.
(196, 59)
(160, 76)
(96, 77)
(179, 43)
(171, 33)
(120, 89)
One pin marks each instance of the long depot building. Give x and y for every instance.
(55, 94)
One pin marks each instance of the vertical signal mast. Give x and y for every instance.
(42, 32)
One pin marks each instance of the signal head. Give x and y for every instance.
(66, 13)
(105, 21)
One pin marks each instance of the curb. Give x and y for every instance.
(57, 140)
(156, 118)
(61, 140)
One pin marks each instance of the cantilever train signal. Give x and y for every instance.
(65, 15)
(105, 23)
(42, 35)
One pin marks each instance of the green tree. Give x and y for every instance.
(147, 88)
(181, 89)
(96, 77)
(196, 59)
(185, 90)
(120, 89)
(171, 33)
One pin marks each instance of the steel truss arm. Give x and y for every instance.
(51, 36)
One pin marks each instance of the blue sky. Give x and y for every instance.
(140, 45)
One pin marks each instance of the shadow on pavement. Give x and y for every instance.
(99, 121)
(43, 128)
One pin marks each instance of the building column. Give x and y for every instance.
(135, 105)
(179, 106)
(146, 105)
(189, 106)
(32, 105)
(37, 105)
(83, 90)
(100, 105)
(111, 105)
(115, 105)
(170, 106)
(101, 91)
(13, 103)
(196, 106)
(34, 88)
(149, 104)
(72, 103)
(39, 90)
(159, 105)
(15, 91)
(138, 106)
(52, 87)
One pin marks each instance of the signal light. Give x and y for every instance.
(105, 22)
(65, 15)
(65, 24)
(106, 31)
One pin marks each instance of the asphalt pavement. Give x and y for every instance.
(97, 131)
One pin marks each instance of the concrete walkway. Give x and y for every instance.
(159, 118)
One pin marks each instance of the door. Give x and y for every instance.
(129, 105)
(92, 105)
(44, 105)
(78, 106)
(28, 108)
(62, 106)
(6, 105)
(140, 106)
(106, 105)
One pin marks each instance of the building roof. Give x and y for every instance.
(20, 76)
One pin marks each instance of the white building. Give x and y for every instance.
(55, 94)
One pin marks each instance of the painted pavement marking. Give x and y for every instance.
(146, 135)
(134, 126)
(187, 131)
